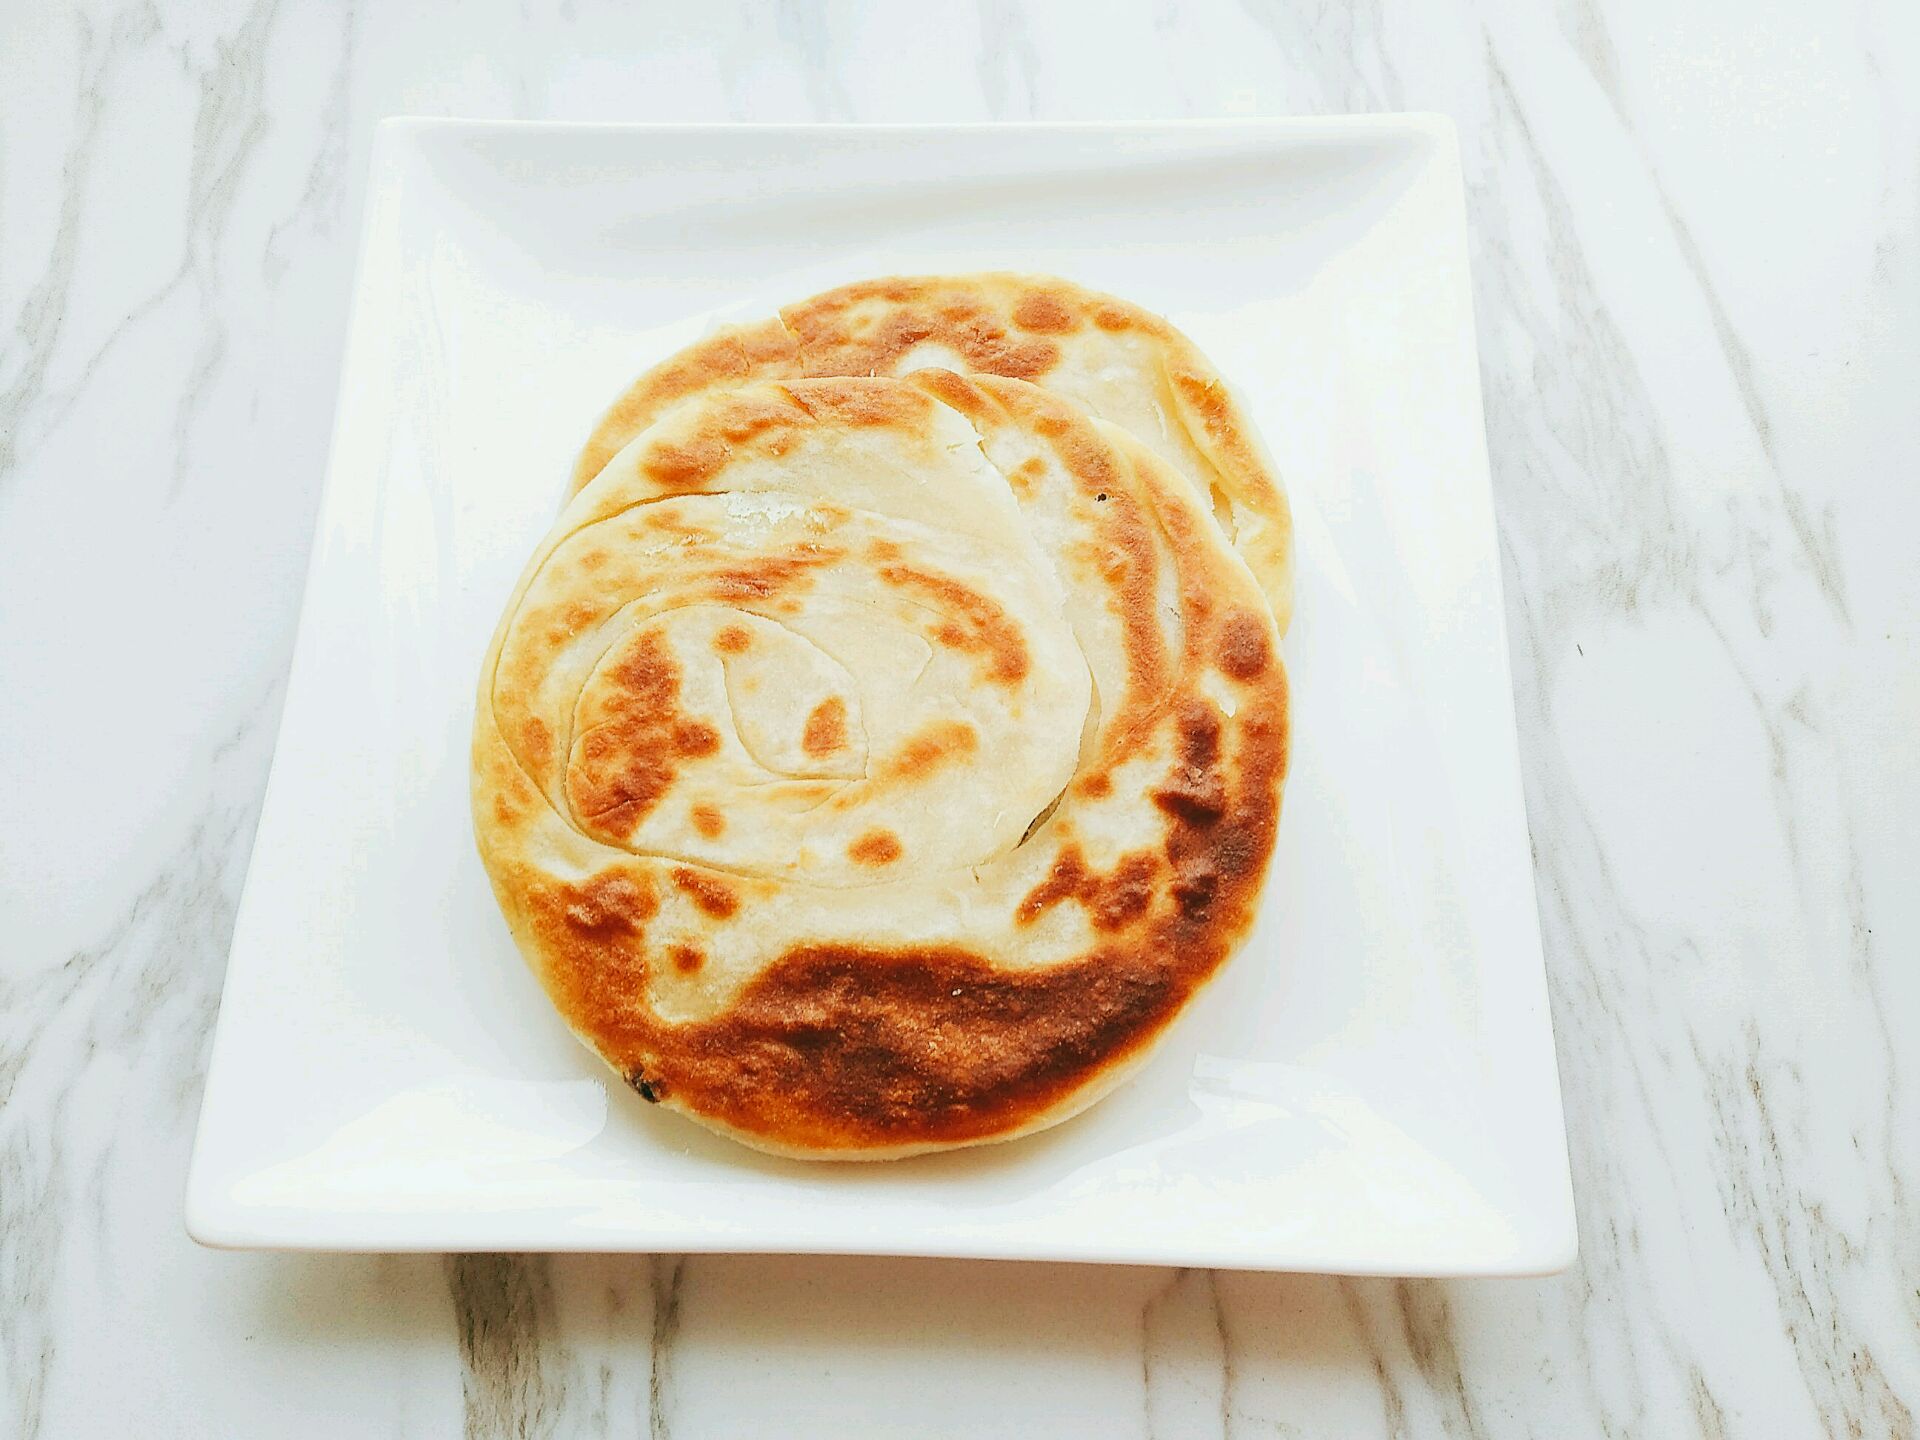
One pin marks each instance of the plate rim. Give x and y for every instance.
(213, 1219)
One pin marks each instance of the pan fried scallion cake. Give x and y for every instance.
(869, 764)
(1111, 359)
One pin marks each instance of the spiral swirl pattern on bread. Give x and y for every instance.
(869, 766)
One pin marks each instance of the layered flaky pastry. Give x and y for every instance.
(1112, 359)
(870, 766)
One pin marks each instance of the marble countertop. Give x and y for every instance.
(1696, 241)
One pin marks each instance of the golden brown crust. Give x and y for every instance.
(1025, 327)
(888, 1017)
(838, 1048)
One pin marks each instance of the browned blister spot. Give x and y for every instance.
(610, 903)
(593, 952)
(743, 419)
(686, 958)
(1113, 901)
(713, 896)
(857, 403)
(1244, 650)
(931, 747)
(1047, 314)
(1206, 396)
(733, 640)
(764, 349)
(621, 766)
(683, 466)
(769, 576)
(833, 346)
(826, 728)
(1025, 476)
(1019, 360)
(876, 847)
(1113, 318)
(970, 621)
(954, 391)
(1125, 893)
(535, 737)
(693, 739)
(709, 821)
(1063, 881)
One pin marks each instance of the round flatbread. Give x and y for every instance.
(872, 766)
(1115, 361)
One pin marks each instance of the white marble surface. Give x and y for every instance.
(1697, 250)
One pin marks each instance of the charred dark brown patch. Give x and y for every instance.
(931, 747)
(826, 728)
(709, 821)
(1217, 858)
(876, 847)
(842, 1047)
(1244, 650)
(713, 896)
(1064, 881)
(687, 959)
(1112, 901)
(1125, 894)
(1196, 790)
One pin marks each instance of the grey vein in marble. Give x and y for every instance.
(1715, 636)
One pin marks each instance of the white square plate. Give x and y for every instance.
(1368, 1088)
